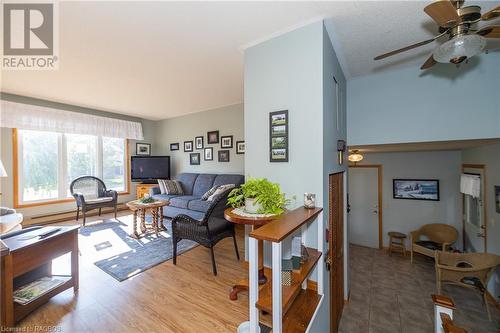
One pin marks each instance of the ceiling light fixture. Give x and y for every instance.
(459, 48)
(355, 157)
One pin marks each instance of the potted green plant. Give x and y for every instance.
(258, 196)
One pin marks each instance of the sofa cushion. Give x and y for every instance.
(229, 179)
(199, 205)
(164, 196)
(203, 183)
(171, 212)
(170, 186)
(182, 201)
(187, 181)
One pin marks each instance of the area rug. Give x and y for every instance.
(123, 257)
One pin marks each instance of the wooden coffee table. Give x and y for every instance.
(156, 210)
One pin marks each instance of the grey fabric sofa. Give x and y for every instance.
(194, 186)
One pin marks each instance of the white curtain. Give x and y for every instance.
(471, 185)
(38, 118)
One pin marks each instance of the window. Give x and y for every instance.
(48, 162)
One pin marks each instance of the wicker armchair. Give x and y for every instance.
(440, 236)
(207, 232)
(91, 193)
(470, 270)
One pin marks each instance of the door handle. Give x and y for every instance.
(480, 234)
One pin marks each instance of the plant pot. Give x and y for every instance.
(251, 206)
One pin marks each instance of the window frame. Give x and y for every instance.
(63, 170)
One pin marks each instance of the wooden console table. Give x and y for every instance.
(26, 260)
(255, 223)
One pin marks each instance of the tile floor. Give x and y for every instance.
(389, 294)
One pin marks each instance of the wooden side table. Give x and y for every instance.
(156, 210)
(397, 242)
(255, 223)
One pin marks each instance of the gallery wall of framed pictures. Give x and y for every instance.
(278, 136)
(223, 143)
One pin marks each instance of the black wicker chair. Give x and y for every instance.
(91, 193)
(206, 232)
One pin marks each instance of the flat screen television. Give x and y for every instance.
(148, 169)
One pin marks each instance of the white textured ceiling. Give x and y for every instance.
(164, 59)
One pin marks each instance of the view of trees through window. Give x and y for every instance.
(49, 162)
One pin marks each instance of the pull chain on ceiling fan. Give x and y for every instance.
(459, 25)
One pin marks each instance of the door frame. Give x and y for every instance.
(485, 201)
(379, 194)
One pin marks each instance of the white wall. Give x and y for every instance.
(410, 105)
(408, 215)
(227, 120)
(490, 156)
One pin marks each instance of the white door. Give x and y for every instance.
(364, 210)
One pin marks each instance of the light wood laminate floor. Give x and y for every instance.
(165, 298)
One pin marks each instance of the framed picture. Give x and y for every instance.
(194, 159)
(143, 149)
(188, 146)
(226, 141)
(416, 189)
(240, 147)
(198, 142)
(278, 136)
(174, 146)
(497, 198)
(212, 137)
(208, 154)
(223, 155)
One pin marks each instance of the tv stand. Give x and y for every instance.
(143, 188)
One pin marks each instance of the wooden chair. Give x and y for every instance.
(440, 236)
(459, 268)
(90, 193)
(207, 232)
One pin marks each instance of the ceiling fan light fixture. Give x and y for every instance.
(459, 48)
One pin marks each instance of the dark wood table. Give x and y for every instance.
(255, 223)
(27, 260)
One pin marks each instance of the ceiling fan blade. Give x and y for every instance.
(492, 14)
(429, 63)
(443, 12)
(388, 54)
(492, 31)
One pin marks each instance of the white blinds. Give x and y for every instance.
(32, 117)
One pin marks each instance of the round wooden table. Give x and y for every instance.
(156, 210)
(255, 223)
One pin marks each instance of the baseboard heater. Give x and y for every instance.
(66, 216)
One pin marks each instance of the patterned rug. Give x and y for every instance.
(123, 257)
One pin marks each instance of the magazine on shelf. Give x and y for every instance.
(31, 291)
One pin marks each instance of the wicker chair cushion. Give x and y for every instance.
(98, 200)
(430, 245)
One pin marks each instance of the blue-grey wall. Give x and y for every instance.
(295, 72)
(409, 105)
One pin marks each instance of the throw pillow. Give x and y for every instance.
(170, 187)
(209, 192)
(221, 189)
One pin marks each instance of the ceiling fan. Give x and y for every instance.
(457, 23)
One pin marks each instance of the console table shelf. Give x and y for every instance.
(289, 293)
